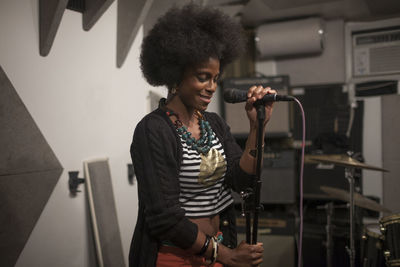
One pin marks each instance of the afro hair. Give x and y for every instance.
(188, 36)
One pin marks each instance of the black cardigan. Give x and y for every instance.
(156, 153)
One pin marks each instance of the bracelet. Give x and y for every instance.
(205, 246)
(216, 250)
(214, 254)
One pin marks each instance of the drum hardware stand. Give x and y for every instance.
(350, 164)
(254, 193)
(329, 207)
(329, 243)
(349, 174)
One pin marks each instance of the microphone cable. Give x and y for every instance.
(303, 144)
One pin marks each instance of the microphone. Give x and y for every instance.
(237, 95)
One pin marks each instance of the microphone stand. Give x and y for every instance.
(260, 118)
(246, 211)
(255, 192)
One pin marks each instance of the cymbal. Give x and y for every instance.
(343, 160)
(359, 200)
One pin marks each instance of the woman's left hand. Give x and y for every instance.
(253, 94)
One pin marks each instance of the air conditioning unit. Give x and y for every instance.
(376, 52)
(373, 48)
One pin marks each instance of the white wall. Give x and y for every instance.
(85, 108)
(266, 67)
(372, 146)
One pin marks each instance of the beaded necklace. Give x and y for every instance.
(204, 144)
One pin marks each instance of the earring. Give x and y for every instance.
(173, 91)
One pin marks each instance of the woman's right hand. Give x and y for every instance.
(246, 255)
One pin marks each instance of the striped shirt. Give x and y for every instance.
(201, 177)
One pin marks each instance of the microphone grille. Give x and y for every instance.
(232, 95)
(228, 95)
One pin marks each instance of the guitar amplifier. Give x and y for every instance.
(269, 225)
(278, 178)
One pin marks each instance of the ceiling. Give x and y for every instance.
(255, 12)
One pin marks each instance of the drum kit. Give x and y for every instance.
(380, 243)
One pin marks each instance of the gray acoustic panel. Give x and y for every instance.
(159, 8)
(50, 15)
(22, 200)
(94, 9)
(29, 171)
(131, 15)
(103, 213)
(24, 148)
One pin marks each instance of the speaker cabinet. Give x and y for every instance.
(278, 178)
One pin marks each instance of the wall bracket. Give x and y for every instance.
(74, 182)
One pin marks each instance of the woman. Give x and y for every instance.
(186, 160)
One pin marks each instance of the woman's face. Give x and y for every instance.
(199, 84)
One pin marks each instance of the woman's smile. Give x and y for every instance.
(206, 98)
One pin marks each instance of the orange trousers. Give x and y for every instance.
(174, 257)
